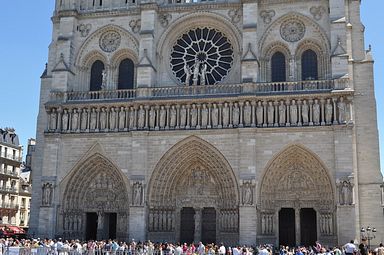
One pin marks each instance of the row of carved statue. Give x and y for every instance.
(194, 116)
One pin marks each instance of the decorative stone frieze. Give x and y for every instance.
(267, 16)
(135, 25)
(84, 29)
(317, 12)
(209, 114)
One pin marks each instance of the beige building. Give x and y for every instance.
(235, 121)
(15, 191)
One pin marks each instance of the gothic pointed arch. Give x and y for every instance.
(94, 185)
(296, 177)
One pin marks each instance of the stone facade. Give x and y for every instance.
(206, 143)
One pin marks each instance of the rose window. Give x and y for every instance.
(202, 56)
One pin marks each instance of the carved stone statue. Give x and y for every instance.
(137, 193)
(316, 112)
(305, 112)
(141, 117)
(282, 113)
(225, 115)
(103, 119)
(104, 79)
(293, 112)
(84, 119)
(271, 112)
(328, 111)
(193, 113)
(112, 119)
(259, 113)
(235, 115)
(152, 117)
(196, 70)
(345, 193)
(247, 114)
(203, 75)
(75, 120)
(247, 194)
(122, 118)
(64, 124)
(204, 116)
(342, 110)
(215, 115)
(47, 192)
(132, 118)
(183, 116)
(53, 122)
(188, 74)
(93, 120)
(172, 115)
(163, 117)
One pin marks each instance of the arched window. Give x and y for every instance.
(96, 75)
(278, 67)
(126, 74)
(309, 69)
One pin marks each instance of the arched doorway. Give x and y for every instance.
(95, 201)
(296, 203)
(193, 195)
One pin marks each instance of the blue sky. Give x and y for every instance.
(26, 34)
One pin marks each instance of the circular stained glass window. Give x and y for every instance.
(202, 56)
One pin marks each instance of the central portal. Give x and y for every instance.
(287, 233)
(208, 234)
(187, 225)
(308, 226)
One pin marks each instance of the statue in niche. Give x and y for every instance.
(163, 117)
(342, 110)
(172, 115)
(225, 115)
(112, 119)
(93, 120)
(316, 112)
(328, 111)
(345, 193)
(75, 120)
(304, 112)
(247, 113)
(65, 120)
(152, 117)
(132, 117)
(236, 115)
(137, 193)
(282, 112)
(183, 116)
(196, 70)
(193, 116)
(122, 118)
(203, 75)
(103, 119)
(215, 115)
(47, 192)
(84, 119)
(270, 111)
(247, 194)
(141, 117)
(293, 112)
(204, 116)
(52, 125)
(188, 74)
(259, 113)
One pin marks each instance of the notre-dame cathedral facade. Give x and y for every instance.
(236, 121)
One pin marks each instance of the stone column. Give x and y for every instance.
(322, 112)
(297, 226)
(198, 223)
(100, 226)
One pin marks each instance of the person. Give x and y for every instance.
(349, 248)
(201, 249)
(380, 250)
(363, 248)
(222, 250)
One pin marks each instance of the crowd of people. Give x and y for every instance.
(12, 246)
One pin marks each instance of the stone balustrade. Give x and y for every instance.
(209, 90)
(204, 113)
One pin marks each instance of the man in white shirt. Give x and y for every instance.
(222, 249)
(201, 249)
(349, 248)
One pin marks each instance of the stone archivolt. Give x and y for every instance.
(296, 178)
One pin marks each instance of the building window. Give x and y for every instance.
(309, 69)
(126, 74)
(96, 75)
(278, 67)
